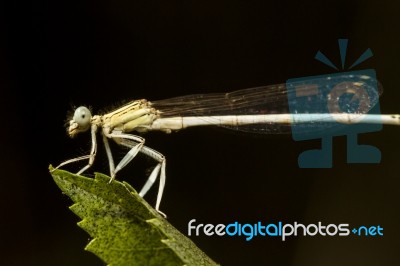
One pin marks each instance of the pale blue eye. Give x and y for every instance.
(82, 116)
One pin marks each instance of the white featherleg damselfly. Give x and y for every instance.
(261, 109)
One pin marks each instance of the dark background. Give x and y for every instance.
(55, 54)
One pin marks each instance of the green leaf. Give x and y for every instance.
(125, 229)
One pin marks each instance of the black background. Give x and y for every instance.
(55, 54)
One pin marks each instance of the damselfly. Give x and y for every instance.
(262, 110)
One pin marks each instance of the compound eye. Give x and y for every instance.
(82, 117)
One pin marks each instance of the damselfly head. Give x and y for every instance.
(80, 122)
